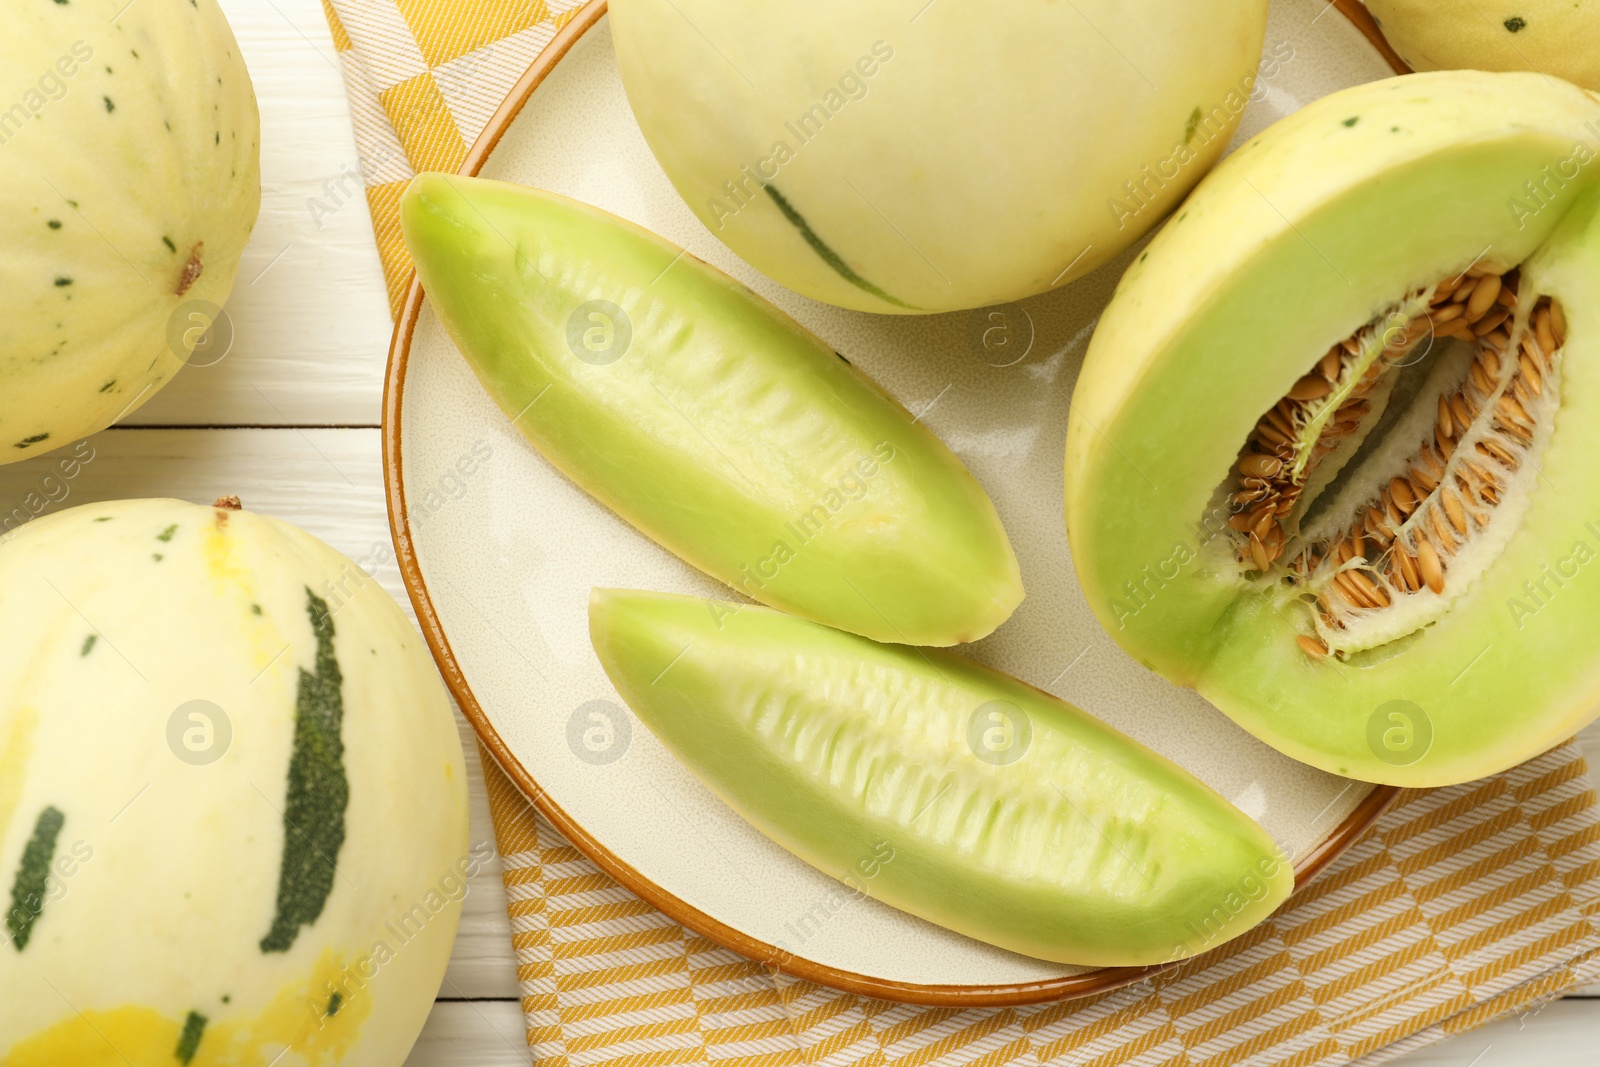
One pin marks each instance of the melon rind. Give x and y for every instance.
(1555, 37)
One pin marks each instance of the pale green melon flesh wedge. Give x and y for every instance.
(941, 787)
(1288, 248)
(709, 419)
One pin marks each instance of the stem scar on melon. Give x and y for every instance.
(191, 269)
(318, 791)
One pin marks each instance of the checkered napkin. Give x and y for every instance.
(1463, 904)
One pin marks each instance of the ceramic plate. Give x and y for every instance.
(500, 551)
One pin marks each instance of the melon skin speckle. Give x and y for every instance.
(236, 820)
(1552, 37)
(129, 184)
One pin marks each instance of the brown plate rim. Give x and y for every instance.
(1100, 980)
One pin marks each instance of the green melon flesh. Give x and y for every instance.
(719, 427)
(1290, 246)
(874, 764)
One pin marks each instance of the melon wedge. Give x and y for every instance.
(707, 418)
(941, 787)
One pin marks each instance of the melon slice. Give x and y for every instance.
(707, 418)
(942, 787)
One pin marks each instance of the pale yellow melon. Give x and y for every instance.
(233, 811)
(129, 183)
(1556, 37)
(922, 157)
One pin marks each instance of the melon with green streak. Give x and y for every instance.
(1314, 233)
(129, 183)
(233, 813)
(941, 787)
(1555, 37)
(930, 157)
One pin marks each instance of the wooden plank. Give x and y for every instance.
(472, 1034)
(1560, 1035)
(309, 310)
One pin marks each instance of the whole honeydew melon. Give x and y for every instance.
(129, 183)
(1557, 37)
(233, 813)
(885, 158)
(1331, 458)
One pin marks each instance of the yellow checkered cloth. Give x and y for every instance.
(1462, 905)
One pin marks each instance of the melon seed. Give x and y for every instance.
(1400, 492)
(1483, 295)
(1428, 565)
(1398, 540)
(1313, 648)
(1257, 465)
(1310, 387)
(1453, 509)
(1258, 553)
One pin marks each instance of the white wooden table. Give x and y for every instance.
(289, 422)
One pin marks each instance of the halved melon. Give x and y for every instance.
(1332, 454)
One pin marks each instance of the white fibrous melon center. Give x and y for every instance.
(1395, 471)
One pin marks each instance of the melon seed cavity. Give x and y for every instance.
(1393, 472)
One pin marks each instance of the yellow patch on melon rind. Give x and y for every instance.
(16, 746)
(233, 582)
(295, 1019)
